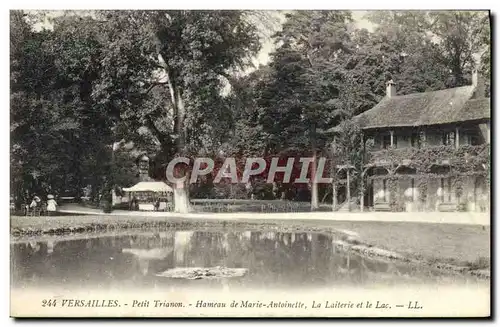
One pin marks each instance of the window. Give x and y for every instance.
(472, 139)
(448, 138)
(475, 139)
(386, 141)
(415, 140)
(405, 141)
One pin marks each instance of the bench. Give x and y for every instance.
(382, 206)
(447, 207)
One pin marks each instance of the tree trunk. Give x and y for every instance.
(314, 182)
(457, 68)
(181, 198)
(314, 185)
(348, 189)
(181, 190)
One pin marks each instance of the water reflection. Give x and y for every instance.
(273, 259)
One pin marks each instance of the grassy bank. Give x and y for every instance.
(443, 245)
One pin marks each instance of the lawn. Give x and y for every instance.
(453, 242)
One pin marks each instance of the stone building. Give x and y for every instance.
(428, 152)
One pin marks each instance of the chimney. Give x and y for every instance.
(478, 84)
(390, 89)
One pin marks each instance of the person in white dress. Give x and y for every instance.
(51, 204)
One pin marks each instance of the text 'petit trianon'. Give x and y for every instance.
(252, 167)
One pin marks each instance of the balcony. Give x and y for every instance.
(462, 159)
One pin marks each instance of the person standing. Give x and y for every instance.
(157, 204)
(51, 205)
(34, 204)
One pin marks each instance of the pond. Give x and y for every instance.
(272, 260)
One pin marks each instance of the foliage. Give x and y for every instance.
(56, 135)
(396, 50)
(466, 159)
(197, 50)
(149, 77)
(348, 149)
(348, 145)
(463, 35)
(193, 53)
(443, 45)
(286, 103)
(291, 101)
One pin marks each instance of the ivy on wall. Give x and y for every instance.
(465, 161)
(423, 185)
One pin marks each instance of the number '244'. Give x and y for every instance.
(49, 303)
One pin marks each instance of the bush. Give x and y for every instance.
(107, 203)
(263, 192)
(462, 207)
(107, 207)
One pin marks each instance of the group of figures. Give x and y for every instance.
(37, 207)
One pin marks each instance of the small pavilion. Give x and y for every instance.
(148, 191)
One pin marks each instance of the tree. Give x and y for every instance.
(150, 77)
(60, 137)
(348, 149)
(461, 36)
(249, 138)
(41, 121)
(193, 53)
(306, 79)
(441, 43)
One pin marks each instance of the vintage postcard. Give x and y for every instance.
(243, 163)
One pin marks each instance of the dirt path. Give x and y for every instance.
(465, 218)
